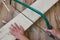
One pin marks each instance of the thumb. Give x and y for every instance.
(49, 31)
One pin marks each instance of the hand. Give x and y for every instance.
(56, 33)
(18, 32)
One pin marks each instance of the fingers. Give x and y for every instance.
(16, 25)
(12, 31)
(12, 28)
(21, 28)
(16, 28)
(49, 31)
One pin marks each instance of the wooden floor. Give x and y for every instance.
(34, 32)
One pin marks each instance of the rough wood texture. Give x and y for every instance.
(53, 15)
(35, 33)
(4, 15)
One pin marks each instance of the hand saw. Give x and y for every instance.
(20, 15)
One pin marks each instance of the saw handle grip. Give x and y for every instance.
(52, 36)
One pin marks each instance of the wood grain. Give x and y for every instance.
(5, 15)
(53, 15)
(35, 33)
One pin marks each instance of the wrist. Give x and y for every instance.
(22, 38)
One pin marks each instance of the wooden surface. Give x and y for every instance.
(5, 15)
(34, 32)
(53, 15)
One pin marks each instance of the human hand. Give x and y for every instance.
(18, 32)
(56, 33)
